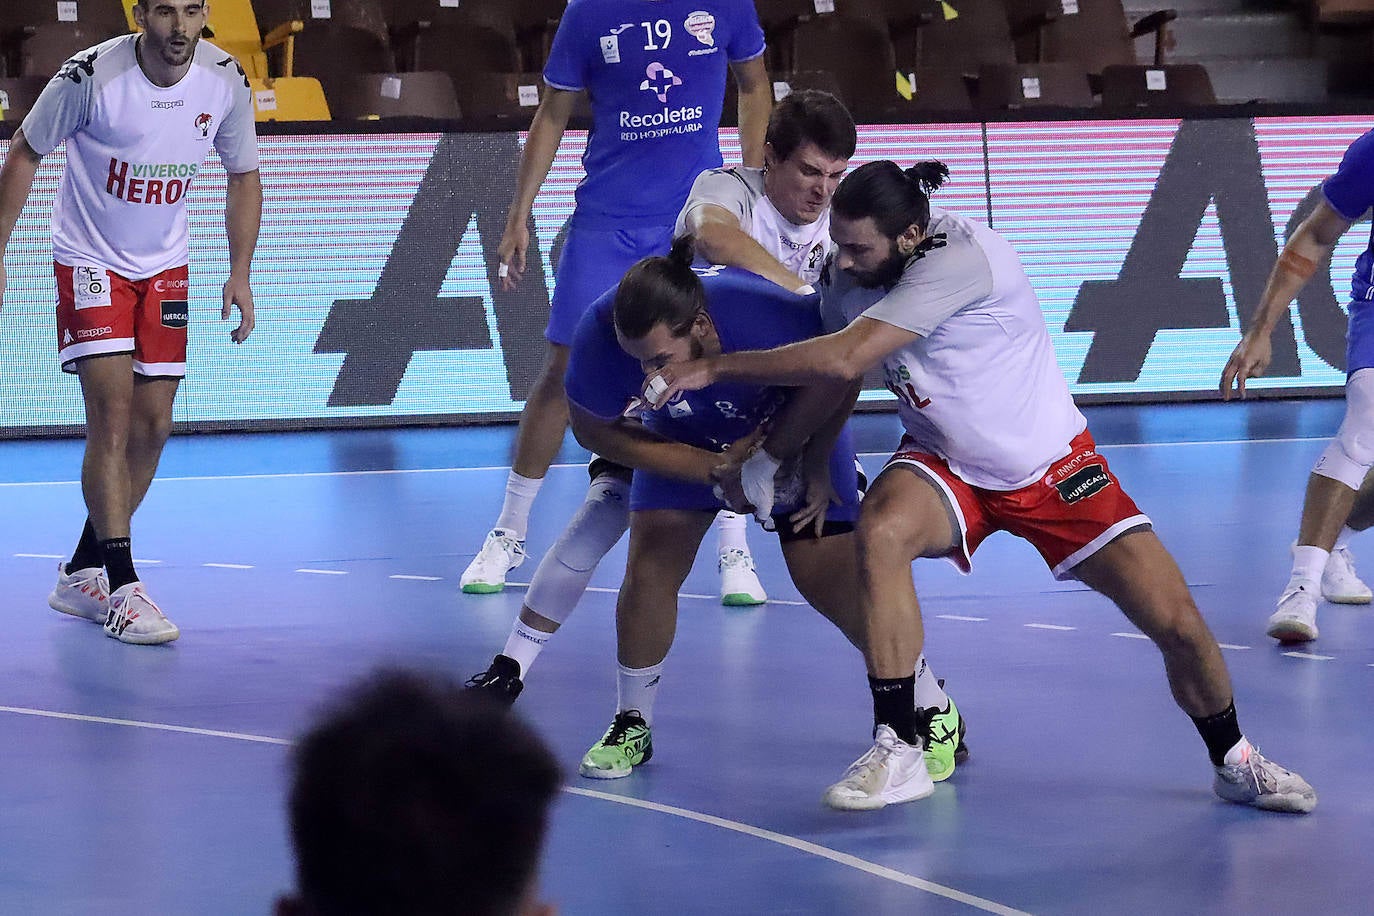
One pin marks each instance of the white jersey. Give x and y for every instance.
(801, 249)
(980, 386)
(133, 149)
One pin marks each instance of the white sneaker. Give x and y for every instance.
(500, 553)
(85, 593)
(1263, 784)
(739, 584)
(892, 771)
(1340, 583)
(135, 619)
(1296, 618)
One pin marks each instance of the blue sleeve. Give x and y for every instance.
(601, 378)
(746, 39)
(566, 67)
(1351, 190)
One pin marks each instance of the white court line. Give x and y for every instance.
(147, 562)
(824, 852)
(227, 565)
(1227, 645)
(324, 572)
(1131, 635)
(863, 865)
(506, 468)
(418, 578)
(134, 723)
(1310, 656)
(961, 617)
(615, 591)
(41, 556)
(1049, 626)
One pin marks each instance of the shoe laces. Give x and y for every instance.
(621, 725)
(885, 744)
(1343, 556)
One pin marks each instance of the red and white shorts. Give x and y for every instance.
(100, 312)
(1073, 511)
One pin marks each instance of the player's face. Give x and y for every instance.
(863, 252)
(661, 347)
(801, 185)
(171, 29)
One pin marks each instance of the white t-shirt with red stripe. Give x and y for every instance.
(980, 386)
(133, 149)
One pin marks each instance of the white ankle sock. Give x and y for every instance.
(731, 532)
(515, 511)
(929, 693)
(636, 689)
(524, 645)
(1308, 563)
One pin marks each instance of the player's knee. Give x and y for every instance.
(1348, 457)
(598, 524)
(888, 534)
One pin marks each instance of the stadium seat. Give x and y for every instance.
(289, 99)
(95, 15)
(535, 22)
(394, 95)
(855, 48)
(927, 89)
(957, 34)
(42, 49)
(1094, 33)
(1033, 85)
(351, 39)
(477, 36)
(1140, 85)
(17, 95)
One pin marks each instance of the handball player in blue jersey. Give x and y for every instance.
(665, 312)
(1340, 495)
(655, 75)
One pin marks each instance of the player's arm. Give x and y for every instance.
(16, 181)
(1309, 247)
(755, 105)
(628, 443)
(720, 240)
(839, 357)
(541, 145)
(242, 219)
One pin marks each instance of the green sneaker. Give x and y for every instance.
(944, 741)
(626, 744)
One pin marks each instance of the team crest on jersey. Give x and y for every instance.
(814, 258)
(700, 25)
(658, 80)
(203, 122)
(610, 44)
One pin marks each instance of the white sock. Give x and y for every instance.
(636, 689)
(1237, 754)
(731, 532)
(515, 511)
(524, 645)
(929, 693)
(1308, 563)
(1343, 539)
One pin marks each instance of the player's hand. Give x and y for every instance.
(238, 293)
(510, 256)
(1249, 360)
(819, 495)
(670, 381)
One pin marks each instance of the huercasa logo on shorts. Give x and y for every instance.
(149, 183)
(90, 333)
(167, 103)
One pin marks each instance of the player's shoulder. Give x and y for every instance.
(1361, 152)
(100, 63)
(213, 61)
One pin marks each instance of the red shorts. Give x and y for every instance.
(1073, 511)
(99, 312)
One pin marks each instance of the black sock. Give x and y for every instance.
(1220, 732)
(894, 705)
(119, 562)
(87, 552)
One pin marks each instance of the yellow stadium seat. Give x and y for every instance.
(297, 98)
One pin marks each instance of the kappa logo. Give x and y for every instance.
(658, 80)
(203, 122)
(66, 337)
(167, 104)
(1083, 483)
(91, 333)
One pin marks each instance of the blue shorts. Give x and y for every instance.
(1359, 338)
(650, 491)
(593, 261)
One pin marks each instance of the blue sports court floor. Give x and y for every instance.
(150, 780)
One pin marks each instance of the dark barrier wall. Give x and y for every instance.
(1147, 240)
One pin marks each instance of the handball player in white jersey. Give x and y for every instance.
(139, 114)
(993, 442)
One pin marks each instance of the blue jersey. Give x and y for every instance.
(1350, 192)
(749, 313)
(655, 73)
